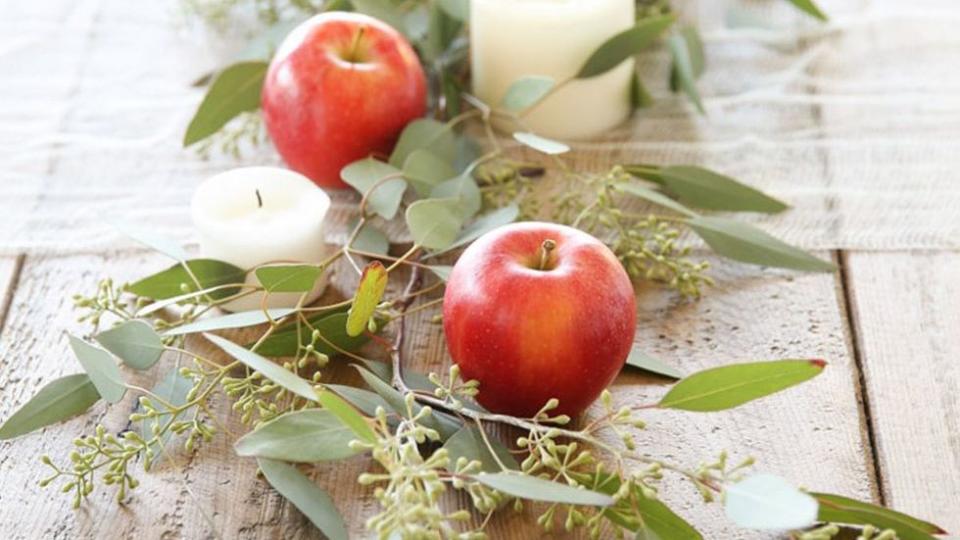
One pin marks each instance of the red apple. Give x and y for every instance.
(535, 311)
(341, 87)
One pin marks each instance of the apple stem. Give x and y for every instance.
(259, 198)
(546, 247)
(352, 56)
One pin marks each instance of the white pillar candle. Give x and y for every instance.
(256, 215)
(510, 39)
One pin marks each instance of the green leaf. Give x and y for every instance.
(235, 90)
(428, 134)
(655, 197)
(640, 98)
(383, 10)
(101, 369)
(706, 189)
(458, 9)
(541, 144)
(314, 502)
(373, 283)
(624, 45)
(347, 415)
(366, 173)
(268, 369)
(59, 400)
(729, 386)
(769, 502)
(468, 443)
(694, 48)
(810, 8)
(435, 223)
(289, 278)
(173, 388)
(302, 436)
(526, 92)
(538, 489)
(362, 399)
(480, 226)
(151, 239)
(463, 188)
(660, 522)
(425, 171)
(840, 509)
(370, 239)
(642, 360)
(686, 76)
(445, 425)
(333, 328)
(441, 271)
(745, 243)
(172, 281)
(134, 342)
(242, 319)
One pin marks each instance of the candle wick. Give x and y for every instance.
(259, 198)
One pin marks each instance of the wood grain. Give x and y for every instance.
(9, 271)
(908, 335)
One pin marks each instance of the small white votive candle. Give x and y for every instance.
(510, 39)
(252, 216)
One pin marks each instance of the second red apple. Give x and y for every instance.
(341, 87)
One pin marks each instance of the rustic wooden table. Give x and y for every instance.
(881, 423)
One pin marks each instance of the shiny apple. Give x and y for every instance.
(535, 311)
(341, 87)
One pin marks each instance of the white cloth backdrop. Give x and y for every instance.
(856, 123)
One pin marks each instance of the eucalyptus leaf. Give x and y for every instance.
(134, 342)
(101, 368)
(541, 144)
(768, 502)
(435, 223)
(624, 45)
(706, 189)
(640, 98)
(655, 197)
(268, 369)
(442, 31)
(364, 400)
(538, 489)
(424, 133)
(59, 400)
(729, 386)
(840, 509)
(810, 8)
(745, 243)
(242, 319)
(468, 443)
(154, 307)
(370, 239)
(458, 9)
(695, 52)
(463, 188)
(347, 415)
(659, 521)
(303, 436)
(366, 173)
(425, 171)
(526, 92)
(332, 326)
(173, 388)
(385, 11)
(417, 22)
(644, 361)
(445, 425)
(373, 283)
(148, 237)
(686, 77)
(482, 225)
(235, 90)
(314, 502)
(176, 281)
(441, 271)
(289, 278)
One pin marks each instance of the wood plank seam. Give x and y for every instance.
(6, 295)
(866, 411)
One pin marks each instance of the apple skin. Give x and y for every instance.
(341, 87)
(528, 335)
